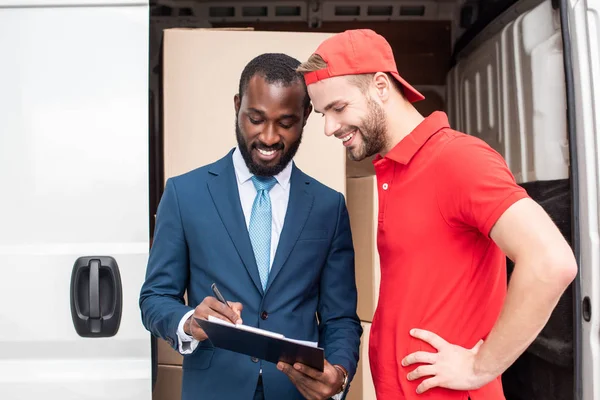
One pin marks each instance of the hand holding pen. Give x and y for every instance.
(218, 307)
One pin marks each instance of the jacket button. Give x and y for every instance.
(254, 359)
(264, 315)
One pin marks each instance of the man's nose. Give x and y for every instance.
(331, 125)
(269, 135)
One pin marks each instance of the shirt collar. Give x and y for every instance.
(243, 174)
(404, 151)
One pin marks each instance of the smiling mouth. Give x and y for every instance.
(266, 152)
(347, 137)
(268, 155)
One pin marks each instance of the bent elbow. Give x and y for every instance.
(564, 268)
(569, 271)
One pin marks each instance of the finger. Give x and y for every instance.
(222, 317)
(429, 337)
(222, 309)
(428, 384)
(292, 372)
(304, 383)
(237, 308)
(476, 348)
(197, 332)
(419, 372)
(305, 369)
(420, 357)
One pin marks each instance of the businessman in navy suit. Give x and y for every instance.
(275, 241)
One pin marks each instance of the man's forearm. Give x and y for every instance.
(533, 292)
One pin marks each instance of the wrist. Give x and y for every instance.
(343, 377)
(187, 327)
(481, 375)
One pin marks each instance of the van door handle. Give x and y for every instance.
(96, 296)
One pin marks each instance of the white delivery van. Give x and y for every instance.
(80, 165)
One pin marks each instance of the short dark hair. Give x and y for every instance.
(274, 68)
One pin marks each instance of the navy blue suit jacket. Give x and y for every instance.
(201, 237)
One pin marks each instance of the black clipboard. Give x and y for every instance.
(261, 346)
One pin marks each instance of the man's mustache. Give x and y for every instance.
(344, 131)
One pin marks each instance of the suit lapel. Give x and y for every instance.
(225, 195)
(299, 206)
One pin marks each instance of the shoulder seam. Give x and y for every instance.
(451, 138)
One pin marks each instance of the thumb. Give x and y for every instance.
(476, 348)
(237, 307)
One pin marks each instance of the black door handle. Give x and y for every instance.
(96, 296)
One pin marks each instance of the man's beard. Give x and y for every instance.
(373, 132)
(265, 170)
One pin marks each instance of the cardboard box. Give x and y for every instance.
(361, 387)
(357, 169)
(202, 69)
(363, 207)
(166, 354)
(168, 383)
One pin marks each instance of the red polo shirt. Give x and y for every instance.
(440, 194)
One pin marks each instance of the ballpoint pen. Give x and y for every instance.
(219, 295)
(221, 298)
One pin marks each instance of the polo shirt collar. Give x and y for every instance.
(404, 151)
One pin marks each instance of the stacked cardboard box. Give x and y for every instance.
(169, 374)
(362, 208)
(168, 383)
(361, 387)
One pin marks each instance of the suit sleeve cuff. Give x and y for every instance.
(343, 361)
(186, 343)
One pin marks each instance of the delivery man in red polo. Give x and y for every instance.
(446, 326)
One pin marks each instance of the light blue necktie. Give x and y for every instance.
(260, 226)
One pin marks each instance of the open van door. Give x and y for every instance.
(74, 199)
(581, 37)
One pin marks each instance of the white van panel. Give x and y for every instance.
(517, 74)
(584, 22)
(74, 172)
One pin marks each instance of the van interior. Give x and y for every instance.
(495, 67)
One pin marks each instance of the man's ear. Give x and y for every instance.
(383, 86)
(237, 101)
(307, 112)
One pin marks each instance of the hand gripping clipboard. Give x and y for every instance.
(265, 345)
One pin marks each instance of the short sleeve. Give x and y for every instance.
(474, 186)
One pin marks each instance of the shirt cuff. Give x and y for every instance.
(186, 343)
(338, 396)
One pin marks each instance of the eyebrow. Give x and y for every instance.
(284, 116)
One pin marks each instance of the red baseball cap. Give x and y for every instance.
(358, 51)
